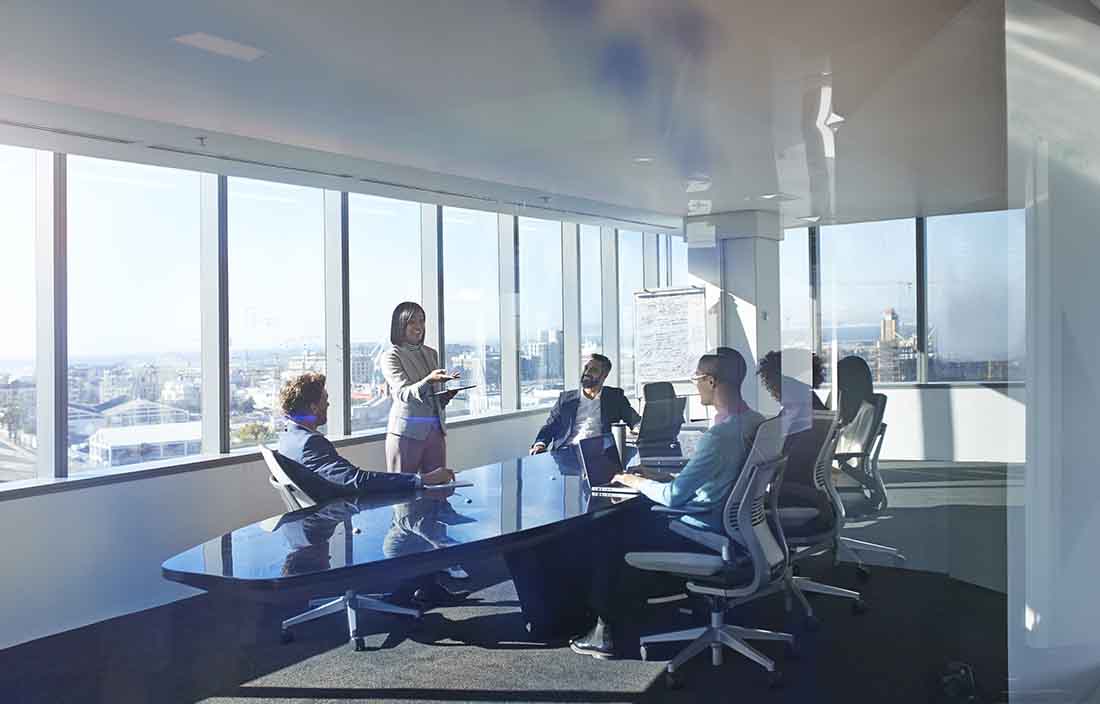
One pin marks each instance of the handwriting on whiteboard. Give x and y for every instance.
(670, 334)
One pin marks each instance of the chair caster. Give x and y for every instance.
(775, 679)
(813, 623)
(673, 680)
(285, 636)
(862, 573)
(359, 644)
(643, 653)
(796, 570)
(859, 606)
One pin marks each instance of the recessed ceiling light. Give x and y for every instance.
(220, 46)
(644, 160)
(778, 196)
(811, 218)
(826, 73)
(697, 184)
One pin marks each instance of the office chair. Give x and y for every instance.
(857, 455)
(662, 418)
(351, 601)
(809, 531)
(722, 579)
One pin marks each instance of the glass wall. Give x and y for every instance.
(276, 299)
(541, 330)
(472, 308)
(795, 325)
(630, 280)
(384, 270)
(134, 376)
(591, 292)
(17, 343)
(976, 287)
(868, 296)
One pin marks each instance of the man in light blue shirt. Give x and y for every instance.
(704, 483)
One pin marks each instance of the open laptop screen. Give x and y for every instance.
(599, 459)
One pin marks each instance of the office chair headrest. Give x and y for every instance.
(658, 391)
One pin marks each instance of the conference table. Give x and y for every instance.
(535, 512)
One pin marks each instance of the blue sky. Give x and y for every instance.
(147, 302)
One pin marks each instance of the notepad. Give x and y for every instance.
(448, 485)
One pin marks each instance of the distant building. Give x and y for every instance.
(142, 412)
(186, 393)
(117, 446)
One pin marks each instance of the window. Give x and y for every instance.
(471, 320)
(384, 270)
(976, 278)
(630, 280)
(541, 331)
(678, 262)
(795, 325)
(276, 300)
(868, 295)
(591, 294)
(134, 317)
(17, 343)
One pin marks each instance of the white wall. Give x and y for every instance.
(955, 424)
(72, 558)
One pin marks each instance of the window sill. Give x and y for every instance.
(85, 480)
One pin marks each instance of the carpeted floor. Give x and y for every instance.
(220, 651)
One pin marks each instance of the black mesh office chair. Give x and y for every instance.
(857, 455)
(662, 418)
(814, 529)
(351, 601)
(723, 576)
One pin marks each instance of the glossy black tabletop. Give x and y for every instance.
(508, 504)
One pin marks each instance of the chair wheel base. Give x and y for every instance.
(813, 623)
(286, 636)
(673, 680)
(775, 679)
(859, 606)
(863, 574)
(359, 644)
(791, 651)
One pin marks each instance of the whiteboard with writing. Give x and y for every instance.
(670, 334)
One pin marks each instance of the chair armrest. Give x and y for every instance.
(679, 511)
(717, 543)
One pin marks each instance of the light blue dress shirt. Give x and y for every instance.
(706, 480)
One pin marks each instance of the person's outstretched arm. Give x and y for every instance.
(550, 429)
(320, 456)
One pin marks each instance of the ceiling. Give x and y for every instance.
(560, 98)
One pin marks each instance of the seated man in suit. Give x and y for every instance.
(588, 412)
(304, 401)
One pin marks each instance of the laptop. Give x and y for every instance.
(600, 462)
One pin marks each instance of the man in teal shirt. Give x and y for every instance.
(704, 483)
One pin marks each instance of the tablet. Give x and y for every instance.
(457, 388)
(448, 485)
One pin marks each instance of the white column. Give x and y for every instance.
(744, 260)
(214, 306)
(52, 364)
(431, 277)
(509, 313)
(651, 261)
(609, 279)
(337, 320)
(571, 301)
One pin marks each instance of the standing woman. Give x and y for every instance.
(416, 435)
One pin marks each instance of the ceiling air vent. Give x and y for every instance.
(65, 132)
